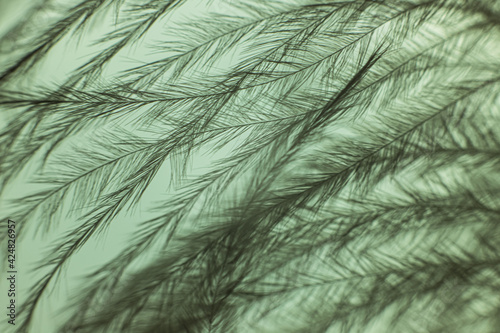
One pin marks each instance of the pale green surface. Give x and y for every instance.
(68, 56)
(32, 249)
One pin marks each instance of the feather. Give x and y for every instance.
(289, 166)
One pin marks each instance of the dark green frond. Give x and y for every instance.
(278, 166)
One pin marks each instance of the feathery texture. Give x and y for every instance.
(288, 166)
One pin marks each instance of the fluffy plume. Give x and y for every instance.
(324, 166)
